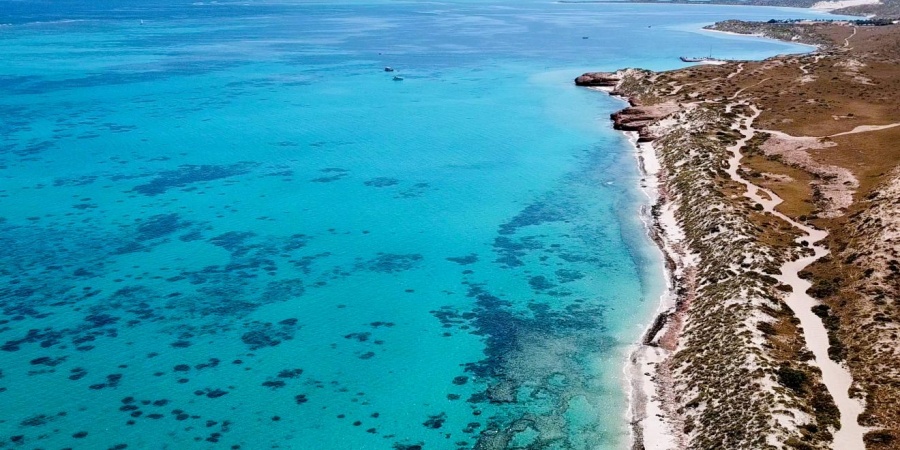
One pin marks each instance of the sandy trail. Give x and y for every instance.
(859, 129)
(847, 41)
(867, 128)
(835, 377)
(741, 90)
(805, 67)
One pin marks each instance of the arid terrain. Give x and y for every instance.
(783, 176)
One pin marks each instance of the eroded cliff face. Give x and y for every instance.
(639, 118)
(599, 79)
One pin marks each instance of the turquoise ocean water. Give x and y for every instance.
(223, 225)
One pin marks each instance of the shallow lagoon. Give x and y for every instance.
(227, 226)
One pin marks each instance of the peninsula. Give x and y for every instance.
(776, 186)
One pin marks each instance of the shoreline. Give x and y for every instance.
(822, 10)
(645, 410)
(650, 416)
(813, 48)
(656, 422)
(650, 412)
(653, 417)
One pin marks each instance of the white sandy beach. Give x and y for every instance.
(645, 410)
(647, 413)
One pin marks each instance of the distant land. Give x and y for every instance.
(886, 9)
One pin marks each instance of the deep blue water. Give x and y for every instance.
(224, 225)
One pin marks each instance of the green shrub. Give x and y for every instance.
(824, 288)
(826, 411)
(879, 438)
(767, 328)
(791, 378)
(798, 444)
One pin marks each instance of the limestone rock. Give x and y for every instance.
(604, 79)
(638, 118)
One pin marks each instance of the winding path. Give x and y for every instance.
(867, 128)
(835, 377)
(805, 67)
(847, 41)
(741, 90)
(858, 129)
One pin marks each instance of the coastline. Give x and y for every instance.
(646, 410)
(653, 417)
(813, 47)
(824, 7)
(787, 340)
(655, 379)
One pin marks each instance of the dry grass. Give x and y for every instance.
(789, 183)
(870, 156)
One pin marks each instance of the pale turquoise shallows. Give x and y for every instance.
(224, 225)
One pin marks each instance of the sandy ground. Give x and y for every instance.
(646, 411)
(866, 128)
(754, 35)
(657, 434)
(830, 6)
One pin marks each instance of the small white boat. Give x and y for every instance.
(398, 78)
(388, 69)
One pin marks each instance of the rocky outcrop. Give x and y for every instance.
(599, 79)
(638, 118)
